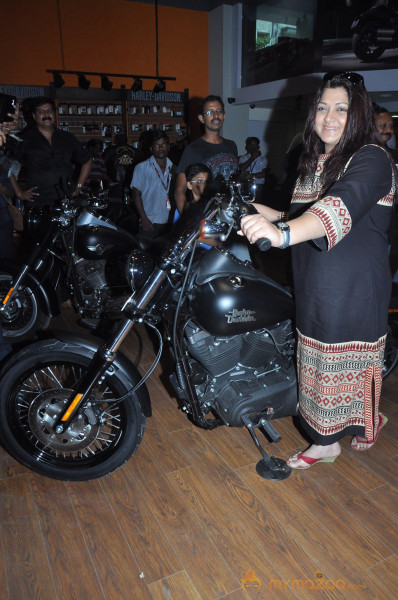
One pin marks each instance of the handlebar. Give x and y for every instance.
(245, 208)
(263, 244)
(84, 201)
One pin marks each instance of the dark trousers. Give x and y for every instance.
(5, 347)
(6, 239)
(157, 230)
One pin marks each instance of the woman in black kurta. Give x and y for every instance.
(342, 287)
(341, 209)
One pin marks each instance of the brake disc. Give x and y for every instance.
(43, 413)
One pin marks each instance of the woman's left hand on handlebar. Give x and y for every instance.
(255, 227)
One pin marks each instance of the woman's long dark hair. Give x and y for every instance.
(360, 129)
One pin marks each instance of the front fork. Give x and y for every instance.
(105, 355)
(35, 262)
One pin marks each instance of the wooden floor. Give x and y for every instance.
(188, 518)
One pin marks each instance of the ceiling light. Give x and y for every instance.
(160, 86)
(137, 85)
(58, 80)
(105, 83)
(83, 82)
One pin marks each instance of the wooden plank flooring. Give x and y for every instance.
(188, 518)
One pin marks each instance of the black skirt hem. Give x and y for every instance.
(326, 440)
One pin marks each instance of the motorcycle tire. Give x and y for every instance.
(24, 317)
(35, 383)
(363, 43)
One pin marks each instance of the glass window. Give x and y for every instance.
(277, 40)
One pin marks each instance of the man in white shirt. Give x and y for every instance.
(151, 185)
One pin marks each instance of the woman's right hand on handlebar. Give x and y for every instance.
(255, 227)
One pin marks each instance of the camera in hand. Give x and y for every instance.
(7, 105)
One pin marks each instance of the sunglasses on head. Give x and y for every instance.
(354, 78)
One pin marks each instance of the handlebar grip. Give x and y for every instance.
(263, 244)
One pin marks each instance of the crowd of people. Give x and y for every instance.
(341, 189)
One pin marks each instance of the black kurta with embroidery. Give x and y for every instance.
(342, 286)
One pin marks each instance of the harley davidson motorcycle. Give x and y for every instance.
(375, 31)
(81, 254)
(75, 408)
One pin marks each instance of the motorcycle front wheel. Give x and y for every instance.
(23, 316)
(364, 43)
(35, 384)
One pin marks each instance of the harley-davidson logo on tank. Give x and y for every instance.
(240, 316)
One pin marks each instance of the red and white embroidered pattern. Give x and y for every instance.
(339, 384)
(335, 218)
(308, 192)
(331, 210)
(389, 199)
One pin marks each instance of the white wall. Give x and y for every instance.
(222, 66)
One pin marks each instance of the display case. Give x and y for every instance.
(91, 119)
(91, 113)
(147, 110)
(98, 113)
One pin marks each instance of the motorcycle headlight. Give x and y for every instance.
(138, 268)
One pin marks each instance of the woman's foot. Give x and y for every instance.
(359, 443)
(314, 454)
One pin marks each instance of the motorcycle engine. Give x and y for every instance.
(92, 282)
(251, 373)
(102, 284)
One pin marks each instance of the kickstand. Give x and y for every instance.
(274, 469)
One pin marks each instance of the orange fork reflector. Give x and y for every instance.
(72, 407)
(8, 295)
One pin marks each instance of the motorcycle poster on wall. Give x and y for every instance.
(359, 35)
(288, 39)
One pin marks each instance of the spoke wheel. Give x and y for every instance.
(22, 317)
(99, 440)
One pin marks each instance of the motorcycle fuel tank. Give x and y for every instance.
(99, 242)
(230, 297)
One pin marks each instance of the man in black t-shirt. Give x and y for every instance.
(49, 157)
(120, 160)
(217, 153)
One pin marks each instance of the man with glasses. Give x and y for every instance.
(151, 184)
(49, 157)
(217, 153)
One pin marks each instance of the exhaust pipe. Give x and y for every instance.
(386, 35)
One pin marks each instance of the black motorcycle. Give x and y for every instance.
(75, 408)
(375, 31)
(80, 254)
